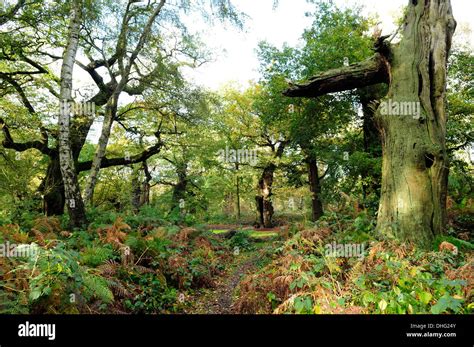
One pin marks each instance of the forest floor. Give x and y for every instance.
(235, 269)
(220, 299)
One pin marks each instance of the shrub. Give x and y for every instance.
(154, 296)
(242, 240)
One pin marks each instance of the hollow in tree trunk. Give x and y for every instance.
(264, 197)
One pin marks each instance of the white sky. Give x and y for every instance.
(235, 59)
(235, 55)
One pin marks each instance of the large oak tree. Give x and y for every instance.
(415, 168)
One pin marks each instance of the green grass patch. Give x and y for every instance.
(219, 231)
(262, 234)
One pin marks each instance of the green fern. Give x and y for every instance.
(94, 256)
(97, 286)
(12, 304)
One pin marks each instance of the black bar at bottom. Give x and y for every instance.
(317, 330)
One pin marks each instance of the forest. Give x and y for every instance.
(340, 181)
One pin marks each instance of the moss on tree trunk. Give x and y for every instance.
(411, 119)
(415, 168)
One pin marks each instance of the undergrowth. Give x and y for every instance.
(389, 277)
(134, 264)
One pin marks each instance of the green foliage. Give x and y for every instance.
(155, 296)
(81, 239)
(389, 278)
(97, 286)
(57, 281)
(460, 244)
(412, 290)
(242, 240)
(94, 256)
(100, 218)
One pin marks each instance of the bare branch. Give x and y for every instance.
(106, 162)
(41, 146)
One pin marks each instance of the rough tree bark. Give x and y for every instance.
(414, 173)
(265, 184)
(415, 164)
(315, 188)
(52, 189)
(141, 190)
(75, 205)
(264, 197)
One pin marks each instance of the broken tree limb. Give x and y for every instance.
(371, 71)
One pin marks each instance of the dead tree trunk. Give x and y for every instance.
(414, 172)
(264, 197)
(265, 184)
(237, 191)
(315, 188)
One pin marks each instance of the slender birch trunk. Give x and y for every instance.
(72, 190)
